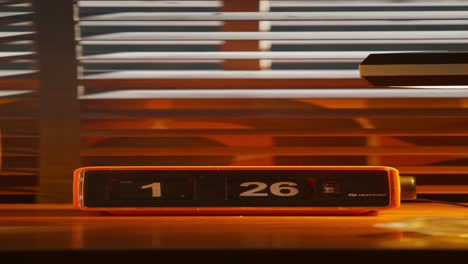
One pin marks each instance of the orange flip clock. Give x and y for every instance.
(237, 190)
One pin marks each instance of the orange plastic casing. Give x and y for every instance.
(392, 173)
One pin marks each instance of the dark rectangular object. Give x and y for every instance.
(236, 190)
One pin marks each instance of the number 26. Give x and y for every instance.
(278, 189)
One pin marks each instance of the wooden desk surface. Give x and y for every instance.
(60, 227)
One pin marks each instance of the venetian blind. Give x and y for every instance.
(240, 82)
(18, 104)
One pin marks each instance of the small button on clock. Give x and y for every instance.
(331, 187)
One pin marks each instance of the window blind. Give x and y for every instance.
(269, 83)
(18, 105)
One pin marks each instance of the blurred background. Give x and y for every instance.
(233, 82)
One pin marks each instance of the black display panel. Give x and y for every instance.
(236, 188)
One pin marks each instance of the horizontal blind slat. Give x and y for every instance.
(228, 55)
(279, 93)
(273, 3)
(328, 36)
(284, 16)
(279, 113)
(281, 151)
(15, 73)
(164, 74)
(349, 132)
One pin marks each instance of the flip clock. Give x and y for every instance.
(240, 190)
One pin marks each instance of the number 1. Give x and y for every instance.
(155, 187)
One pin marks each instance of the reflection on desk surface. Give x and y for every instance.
(45, 227)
